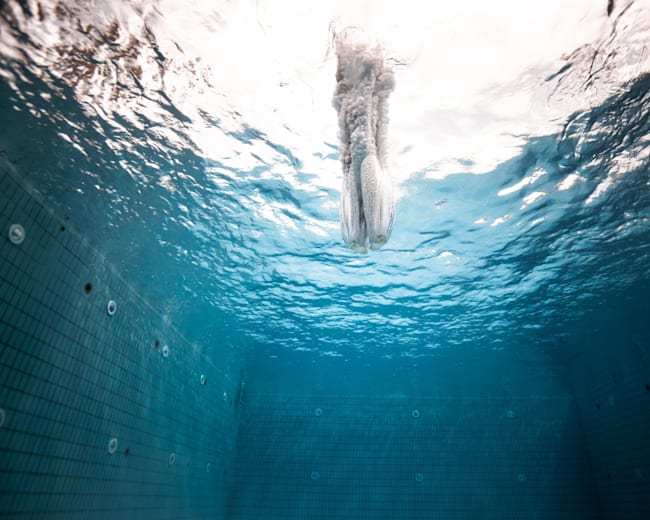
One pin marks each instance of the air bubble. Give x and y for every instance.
(521, 478)
(112, 446)
(225, 396)
(510, 414)
(203, 380)
(208, 467)
(111, 307)
(16, 234)
(3, 416)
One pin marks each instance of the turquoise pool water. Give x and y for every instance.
(490, 361)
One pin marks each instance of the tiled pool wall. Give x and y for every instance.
(467, 433)
(327, 457)
(610, 371)
(105, 410)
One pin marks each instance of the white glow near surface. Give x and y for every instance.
(458, 92)
(532, 197)
(470, 76)
(568, 182)
(522, 183)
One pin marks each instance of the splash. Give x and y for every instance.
(364, 82)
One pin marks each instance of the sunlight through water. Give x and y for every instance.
(200, 138)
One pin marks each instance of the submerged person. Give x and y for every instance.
(363, 84)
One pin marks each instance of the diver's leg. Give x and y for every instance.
(353, 225)
(378, 207)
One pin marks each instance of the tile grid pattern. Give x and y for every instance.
(327, 457)
(95, 419)
(615, 414)
(608, 352)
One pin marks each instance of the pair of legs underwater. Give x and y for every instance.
(363, 85)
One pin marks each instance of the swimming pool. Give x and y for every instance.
(184, 333)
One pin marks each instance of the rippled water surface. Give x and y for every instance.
(196, 146)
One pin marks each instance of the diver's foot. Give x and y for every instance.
(378, 242)
(357, 247)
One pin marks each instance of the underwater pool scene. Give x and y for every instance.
(281, 260)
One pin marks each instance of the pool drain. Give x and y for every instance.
(416, 415)
(419, 477)
(318, 412)
(16, 234)
(111, 307)
(315, 475)
(3, 416)
(172, 458)
(165, 351)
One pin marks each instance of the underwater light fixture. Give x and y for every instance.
(16, 234)
(364, 82)
(112, 446)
